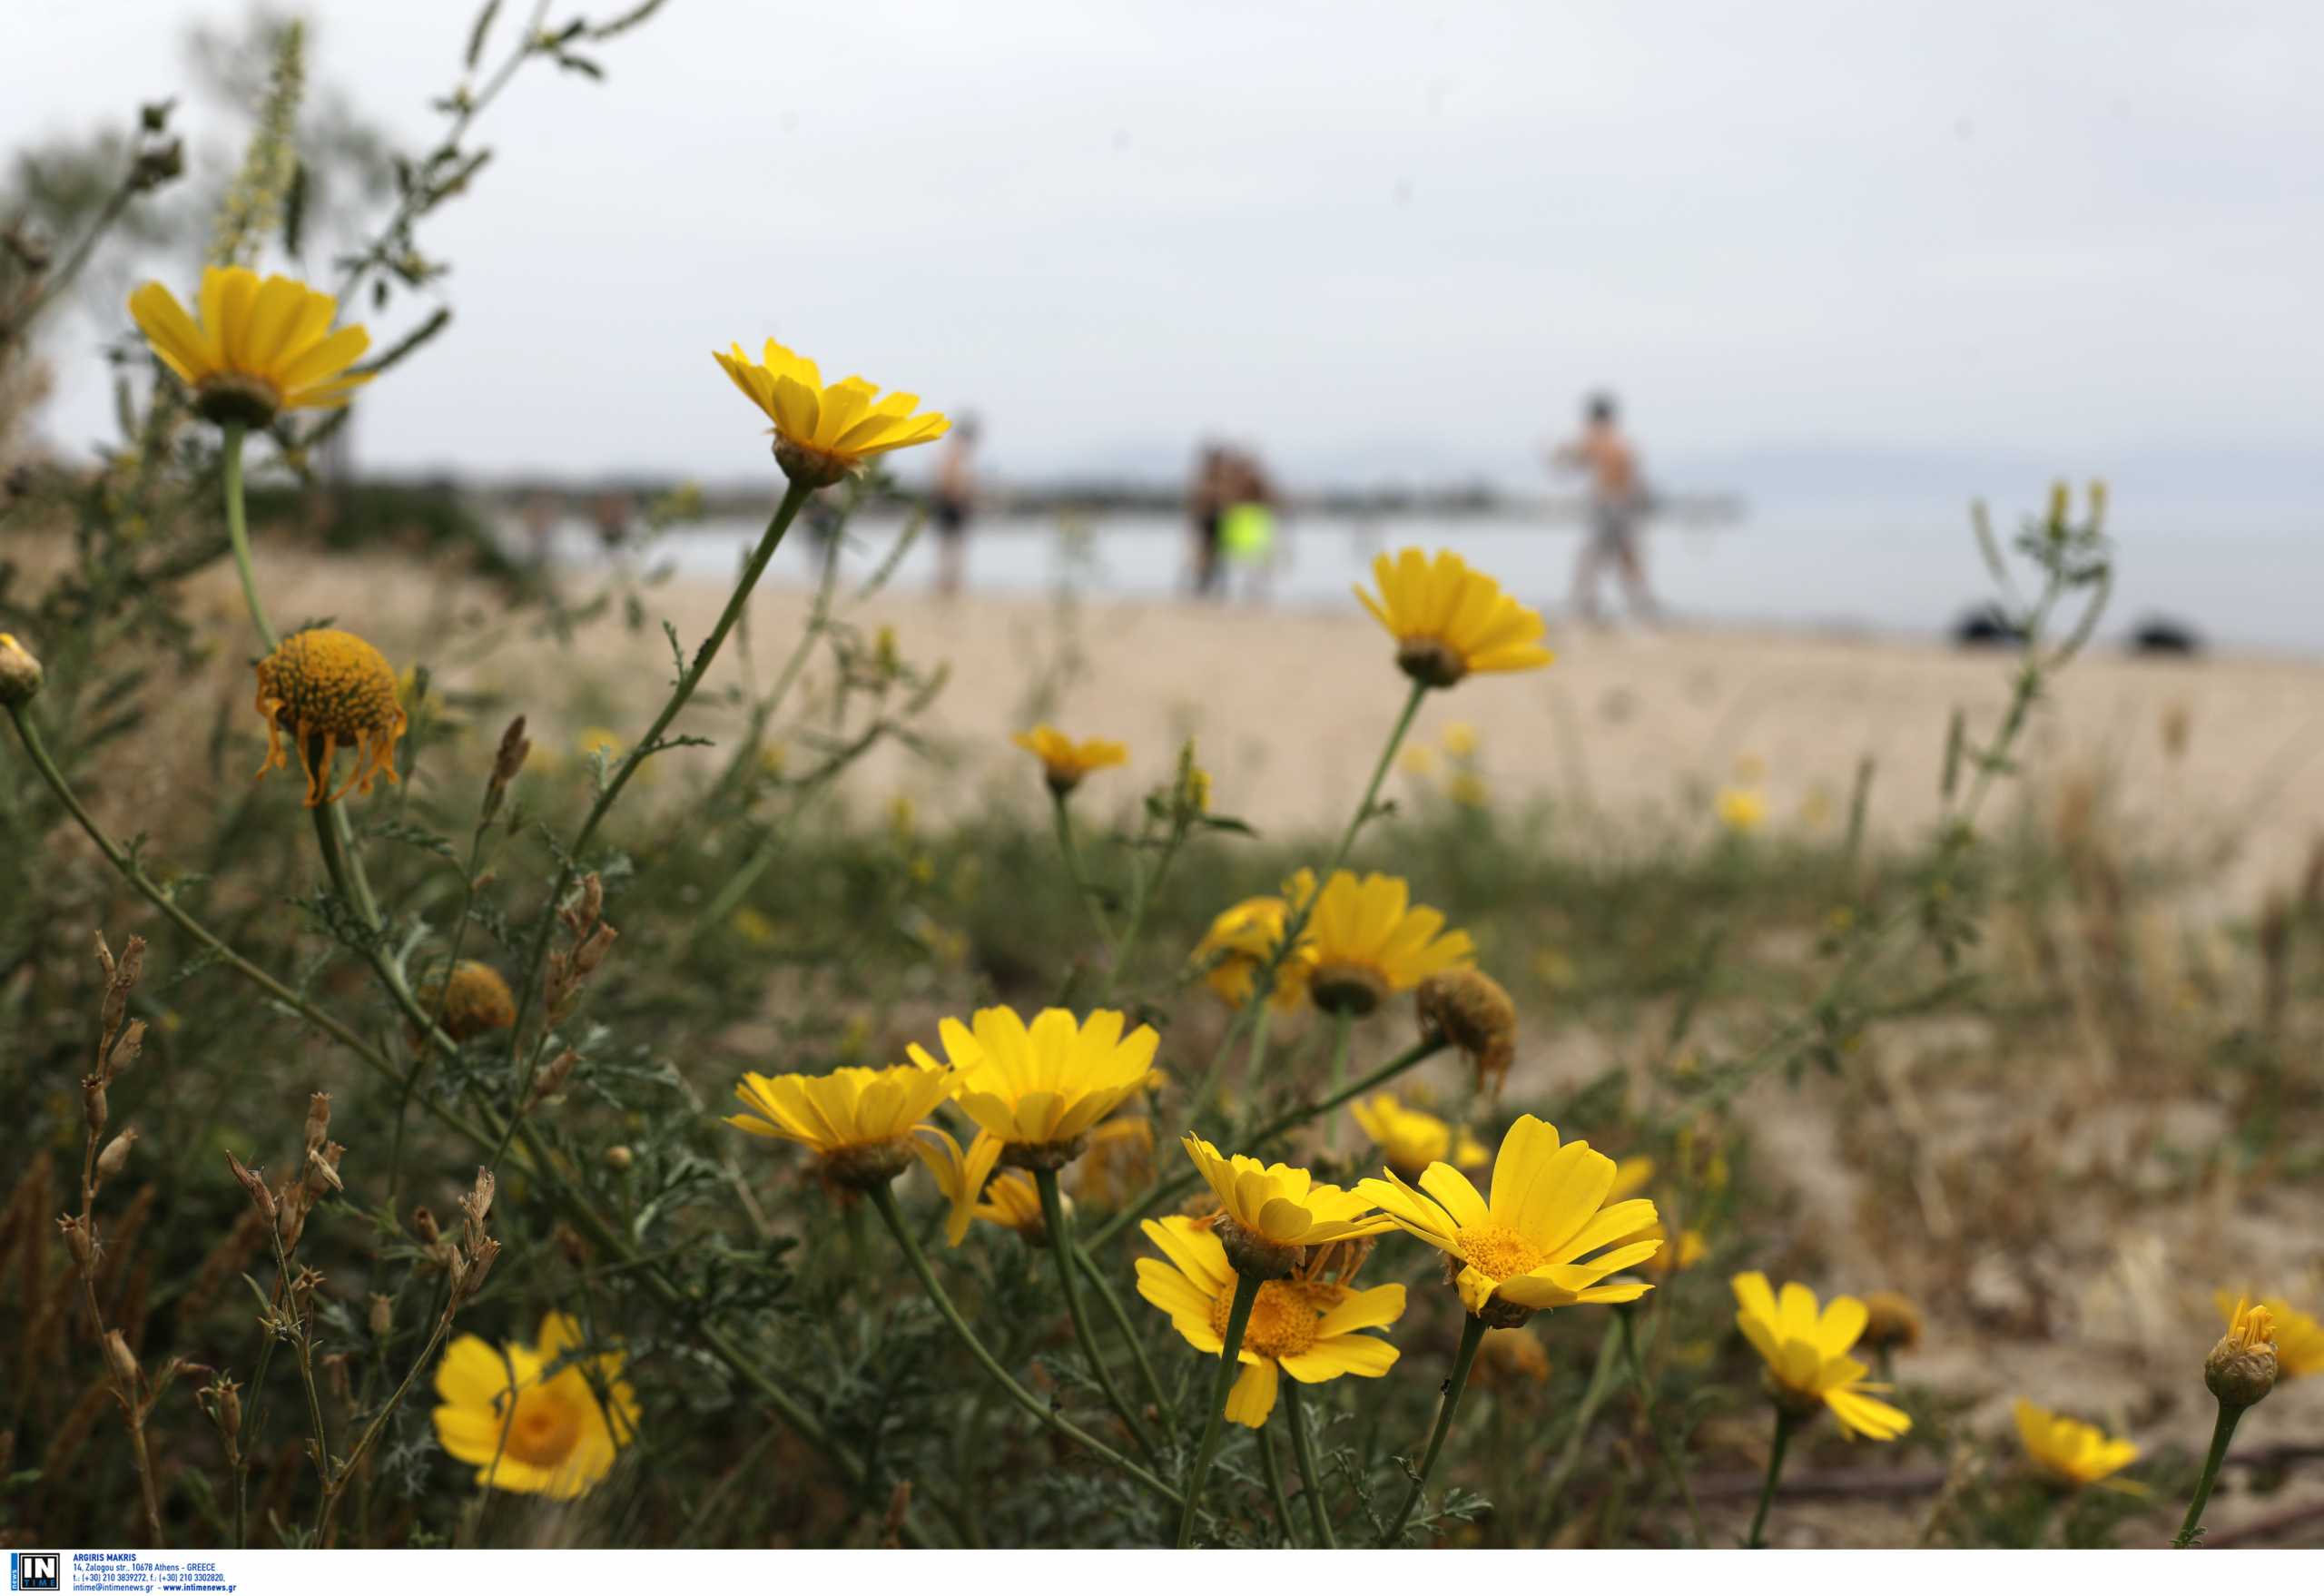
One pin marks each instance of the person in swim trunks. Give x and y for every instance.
(1616, 507)
(952, 503)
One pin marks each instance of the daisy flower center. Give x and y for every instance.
(545, 1430)
(1499, 1251)
(1283, 1321)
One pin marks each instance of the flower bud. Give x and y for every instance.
(619, 1157)
(424, 1226)
(115, 1158)
(78, 1241)
(2242, 1368)
(20, 673)
(121, 1360)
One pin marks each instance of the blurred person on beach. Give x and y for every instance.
(952, 503)
(1206, 506)
(540, 513)
(611, 512)
(1618, 504)
(1249, 529)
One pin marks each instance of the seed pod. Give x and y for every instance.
(123, 1361)
(318, 1121)
(115, 1158)
(254, 1183)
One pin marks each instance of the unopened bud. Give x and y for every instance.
(2242, 1368)
(121, 1360)
(383, 1317)
(20, 673)
(424, 1226)
(619, 1157)
(506, 764)
(115, 1158)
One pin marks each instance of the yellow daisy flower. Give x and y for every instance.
(1411, 1139)
(1065, 762)
(2243, 1367)
(1449, 620)
(1310, 1329)
(1806, 1355)
(2068, 1451)
(476, 1000)
(1370, 940)
(1240, 942)
(1040, 1088)
(1119, 1164)
(1531, 1247)
(258, 348)
(1891, 1320)
(526, 1428)
(959, 1176)
(328, 686)
(1741, 810)
(822, 433)
(2300, 1339)
(1011, 1199)
(859, 1122)
(1276, 1210)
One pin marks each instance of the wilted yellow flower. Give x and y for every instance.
(528, 1430)
(1369, 939)
(1806, 1355)
(1531, 1247)
(476, 1000)
(1741, 810)
(1240, 942)
(258, 348)
(1310, 1329)
(1891, 1320)
(1065, 762)
(328, 687)
(1474, 1013)
(1449, 620)
(1040, 1087)
(2300, 1339)
(1512, 1357)
(859, 1122)
(822, 433)
(1410, 1139)
(2068, 1451)
(1276, 1210)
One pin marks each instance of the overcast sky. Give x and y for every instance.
(1360, 235)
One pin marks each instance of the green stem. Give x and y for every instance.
(1372, 790)
(238, 531)
(1304, 1447)
(1472, 1335)
(335, 1489)
(1272, 1470)
(884, 1200)
(1068, 1273)
(1066, 845)
(1343, 1028)
(2222, 1432)
(1238, 1319)
(1671, 1462)
(795, 496)
(1785, 1425)
(1163, 1406)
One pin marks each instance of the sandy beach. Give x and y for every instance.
(1289, 709)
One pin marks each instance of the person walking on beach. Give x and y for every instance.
(1207, 501)
(1617, 505)
(953, 502)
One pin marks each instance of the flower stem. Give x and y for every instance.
(2222, 1432)
(1238, 1319)
(1371, 791)
(885, 1199)
(1272, 1470)
(1312, 1478)
(1069, 1271)
(1343, 1027)
(1067, 846)
(1162, 1404)
(1671, 1462)
(238, 531)
(1472, 1335)
(1785, 1425)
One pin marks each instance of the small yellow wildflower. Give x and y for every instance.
(1370, 940)
(599, 740)
(1411, 1139)
(258, 348)
(859, 1122)
(2300, 1339)
(1308, 1328)
(526, 1429)
(752, 927)
(822, 433)
(326, 687)
(1806, 1355)
(1460, 739)
(1449, 620)
(1531, 1247)
(1040, 1087)
(476, 1000)
(959, 1176)
(1270, 1212)
(1240, 940)
(2071, 1451)
(1419, 760)
(1065, 762)
(1741, 810)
